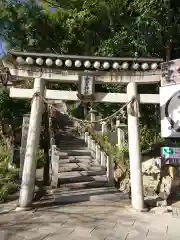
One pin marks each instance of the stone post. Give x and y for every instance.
(134, 149)
(103, 128)
(25, 128)
(120, 134)
(86, 136)
(93, 146)
(89, 141)
(29, 170)
(98, 153)
(93, 117)
(110, 170)
(103, 158)
(54, 167)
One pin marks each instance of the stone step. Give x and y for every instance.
(65, 196)
(72, 159)
(62, 155)
(74, 177)
(85, 185)
(83, 152)
(67, 167)
(72, 142)
(73, 147)
(85, 172)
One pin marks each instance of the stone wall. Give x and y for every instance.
(151, 174)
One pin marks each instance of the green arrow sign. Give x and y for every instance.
(168, 152)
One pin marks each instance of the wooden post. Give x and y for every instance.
(134, 149)
(29, 171)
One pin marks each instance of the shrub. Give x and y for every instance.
(40, 159)
(8, 175)
(119, 155)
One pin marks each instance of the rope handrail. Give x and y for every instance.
(106, 119)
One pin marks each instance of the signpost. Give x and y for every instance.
(25, 128)
(170, 155)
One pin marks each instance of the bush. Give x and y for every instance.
(148, 137)
(8, 176)
(40, 159)
(119, 155)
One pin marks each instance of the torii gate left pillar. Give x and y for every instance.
(29, 170)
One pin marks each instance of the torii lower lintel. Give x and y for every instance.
(72, 96)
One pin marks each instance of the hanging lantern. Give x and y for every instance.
(86, 87)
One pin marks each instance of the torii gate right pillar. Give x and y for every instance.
(137, 194)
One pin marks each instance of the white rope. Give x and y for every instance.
(106, 119)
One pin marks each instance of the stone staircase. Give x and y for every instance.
(80, 176)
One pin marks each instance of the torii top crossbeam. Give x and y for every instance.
(66, 68)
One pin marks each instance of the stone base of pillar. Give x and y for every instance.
(169, 185)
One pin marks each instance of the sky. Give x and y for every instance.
(1, 49)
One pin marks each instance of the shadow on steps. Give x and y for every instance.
(56, 198)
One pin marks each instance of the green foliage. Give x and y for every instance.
(148, 137)
(93, 27)
(8, 176)
(106, 27)
(40, 159)
(11, 109)
(119, 155)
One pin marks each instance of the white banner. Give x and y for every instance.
(170, 111)
(170, 72)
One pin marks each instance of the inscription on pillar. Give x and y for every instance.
(25, 128)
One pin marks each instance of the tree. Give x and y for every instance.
(100, 27)
(11, 112)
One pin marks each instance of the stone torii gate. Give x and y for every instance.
(67, 68)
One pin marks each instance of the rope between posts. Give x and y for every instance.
(106, 119)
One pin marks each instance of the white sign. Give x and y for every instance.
(170, 72)
(25, 128)
(170, 111)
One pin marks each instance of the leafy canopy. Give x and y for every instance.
(103, 27)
